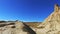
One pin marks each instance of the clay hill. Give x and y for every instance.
(17, 27)
(51, 24)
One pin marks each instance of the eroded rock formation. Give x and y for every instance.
(51, 25)
(15, 27)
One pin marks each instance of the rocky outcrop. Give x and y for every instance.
(15, 27)
(51, 25)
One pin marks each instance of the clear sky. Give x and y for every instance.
(26, 10)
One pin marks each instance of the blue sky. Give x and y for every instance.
(26, 10)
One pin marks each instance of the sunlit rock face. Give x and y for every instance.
(12, 28)
(15, 27)
(51, 25)
(19, 28)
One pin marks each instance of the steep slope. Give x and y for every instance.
(51, 25)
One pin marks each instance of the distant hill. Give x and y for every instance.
(33, 24)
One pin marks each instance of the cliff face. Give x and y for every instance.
(51, 25)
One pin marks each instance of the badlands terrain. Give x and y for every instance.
(17, 27)
(51, 25)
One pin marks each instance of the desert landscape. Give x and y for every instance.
(51, 25)
(17, 27)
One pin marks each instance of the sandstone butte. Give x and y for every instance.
(51, 25)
